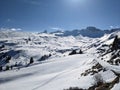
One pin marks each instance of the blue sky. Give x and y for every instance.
(39, 15)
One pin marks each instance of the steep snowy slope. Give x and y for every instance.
(108, 59)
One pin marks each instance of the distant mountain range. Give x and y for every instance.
(92, 32)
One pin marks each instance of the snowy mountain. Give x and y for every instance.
(43, 61)
(92, 32)
(21, 46)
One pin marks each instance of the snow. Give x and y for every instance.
(41, 44)
(116, 87)
(57, 74)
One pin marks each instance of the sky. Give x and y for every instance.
(51, 15)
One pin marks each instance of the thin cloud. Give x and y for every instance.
(112, 27)
(16, 29)
(56, 28)
(12, 29)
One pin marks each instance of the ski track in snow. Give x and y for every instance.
(57, 75)
(62, 63)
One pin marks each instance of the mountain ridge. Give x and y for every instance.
(90, 31)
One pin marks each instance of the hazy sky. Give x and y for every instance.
(38, 15)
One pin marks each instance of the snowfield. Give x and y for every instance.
(57, 74)
(52, 68)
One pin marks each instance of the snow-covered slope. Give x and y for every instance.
(21, 46)
(57, 74)
(41, 61)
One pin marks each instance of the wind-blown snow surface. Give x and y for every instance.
(57, 74)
